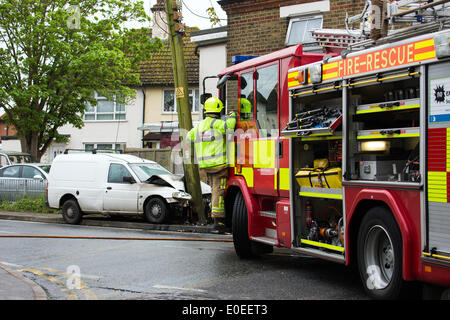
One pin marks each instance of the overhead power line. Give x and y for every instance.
(196, 14)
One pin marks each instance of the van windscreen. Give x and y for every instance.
(144, 171)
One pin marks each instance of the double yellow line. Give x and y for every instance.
(70, 294)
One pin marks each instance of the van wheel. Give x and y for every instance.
(380, 254)
(244, 247)
(71, 212)
(156, 211)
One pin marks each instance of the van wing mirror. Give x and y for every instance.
(128, 179)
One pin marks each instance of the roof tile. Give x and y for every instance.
(158, 70)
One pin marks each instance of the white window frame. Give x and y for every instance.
(193, 93)
(116, 113)
(299, 19)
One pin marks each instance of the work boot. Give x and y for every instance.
(219, 226)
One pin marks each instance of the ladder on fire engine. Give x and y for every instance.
(417, 11)
(406, 18)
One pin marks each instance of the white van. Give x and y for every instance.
(83, 183)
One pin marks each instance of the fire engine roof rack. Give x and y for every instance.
(410, 11)
(334, 40)
(401, 34)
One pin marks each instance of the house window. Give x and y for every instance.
(170, 102)
(299, 30)
(105, 110)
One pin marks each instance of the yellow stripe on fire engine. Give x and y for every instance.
(330, 65)
(424, 44)
(247, 173)
(322, 245)
(329, 70)
(264, 153)
(425, 56)
(430, 54)
(437, 186)
(284, 178)
(292, 82)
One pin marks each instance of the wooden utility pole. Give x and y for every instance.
(191, 173)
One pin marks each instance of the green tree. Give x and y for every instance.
(54, 54)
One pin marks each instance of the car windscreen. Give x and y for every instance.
(146, 170)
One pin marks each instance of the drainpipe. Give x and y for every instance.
(143, 114)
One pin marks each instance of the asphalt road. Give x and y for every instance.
(103, 269)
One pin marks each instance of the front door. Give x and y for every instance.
(120, 195)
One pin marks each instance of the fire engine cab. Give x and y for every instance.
(346, 158)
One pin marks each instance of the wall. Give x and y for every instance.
(6, 130)
(154, 106)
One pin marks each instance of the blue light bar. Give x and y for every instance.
(238, 59)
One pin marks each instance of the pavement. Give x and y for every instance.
(14, 286)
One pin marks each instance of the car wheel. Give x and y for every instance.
(71, 212)
(156, 211)
(379, 253)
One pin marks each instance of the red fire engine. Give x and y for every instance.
(346, 158)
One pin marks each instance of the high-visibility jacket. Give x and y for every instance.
(210, 143)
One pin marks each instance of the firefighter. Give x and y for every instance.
(246, 109)
(210, 144)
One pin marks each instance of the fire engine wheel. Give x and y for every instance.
(156, 211)
(244, 247)
(71, 212)
(380, 254)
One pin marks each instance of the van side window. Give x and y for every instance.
(117, 172)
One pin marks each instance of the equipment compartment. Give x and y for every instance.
(317, 171)
(384, 135)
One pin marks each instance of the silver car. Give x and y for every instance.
(19, 180)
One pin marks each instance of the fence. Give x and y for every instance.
(14, 189)
(164, 157)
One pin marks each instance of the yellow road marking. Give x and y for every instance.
(69, 294)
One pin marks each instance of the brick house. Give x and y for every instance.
(6, 131)
(257, 27)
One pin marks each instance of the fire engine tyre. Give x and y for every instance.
(71, 212)
(244, 247)
(379, 253)
(156, 211)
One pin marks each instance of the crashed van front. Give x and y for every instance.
(162, 194)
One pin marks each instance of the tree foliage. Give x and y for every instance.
(54, 54)
(213, 17)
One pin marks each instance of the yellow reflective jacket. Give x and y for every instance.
(209, 138)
